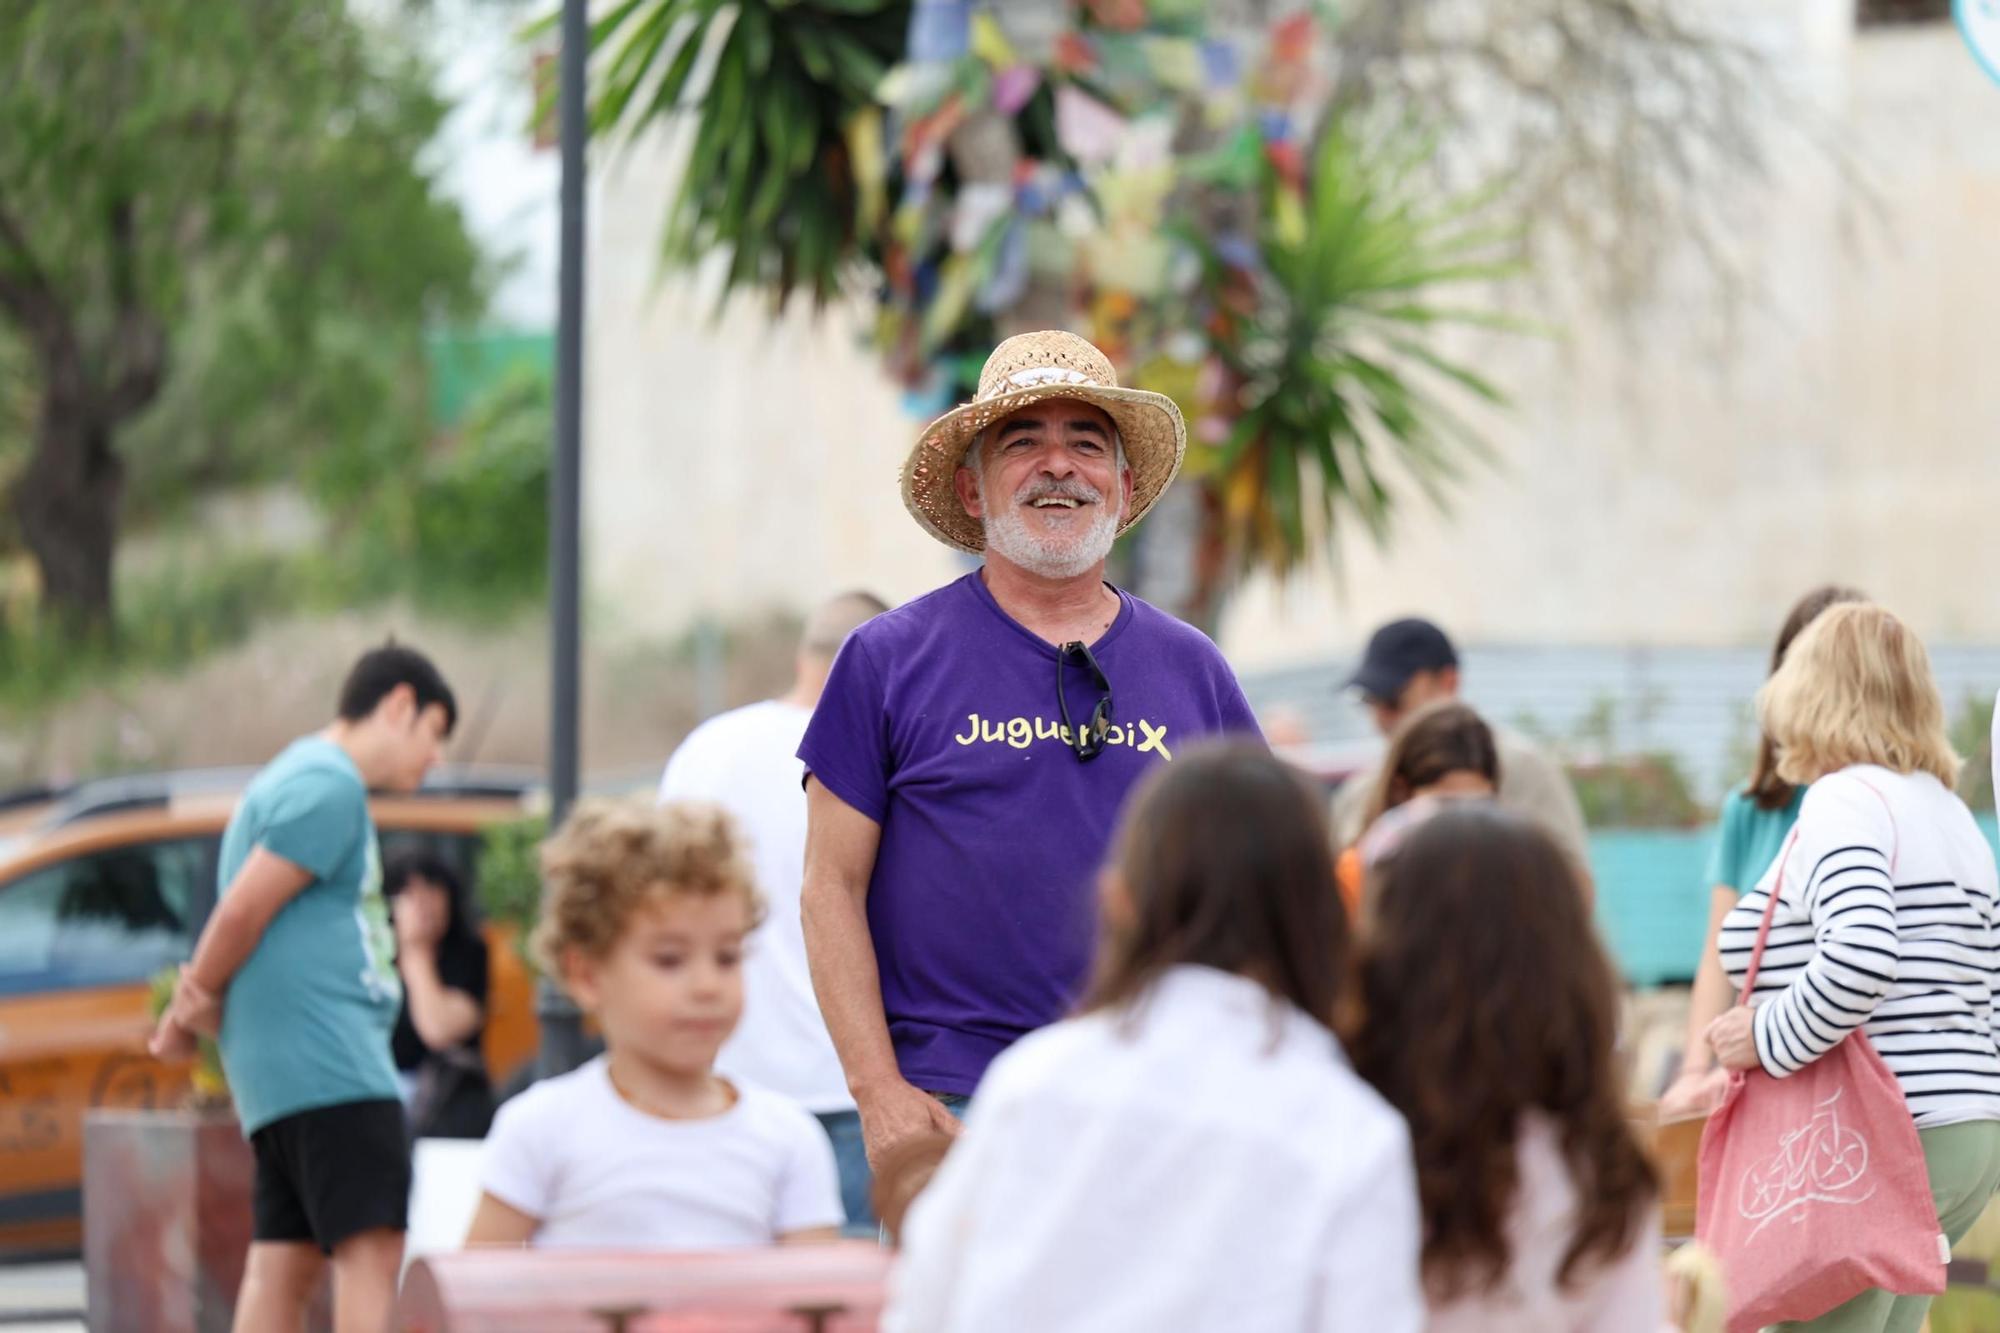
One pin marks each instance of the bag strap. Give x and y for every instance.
(1770, 910)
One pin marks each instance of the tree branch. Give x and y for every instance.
(138, 340)
(28, 295)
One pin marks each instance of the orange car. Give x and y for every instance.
(102, 887)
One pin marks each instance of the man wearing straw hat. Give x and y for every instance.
(967, 760)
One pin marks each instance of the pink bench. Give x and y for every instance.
(835, 1288)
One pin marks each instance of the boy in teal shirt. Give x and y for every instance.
(295, 974)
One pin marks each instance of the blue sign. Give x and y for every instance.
(1979, 21)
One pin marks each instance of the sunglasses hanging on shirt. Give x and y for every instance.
(1088, 740)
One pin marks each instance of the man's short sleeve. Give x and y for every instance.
(314, 820)
(1235, 717)
(847, 742)
(809, 1190)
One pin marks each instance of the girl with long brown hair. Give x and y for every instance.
(1193, 1152)
(1488, 1015)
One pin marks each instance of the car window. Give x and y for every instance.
(105, 919)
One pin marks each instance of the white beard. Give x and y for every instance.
(1061, 556)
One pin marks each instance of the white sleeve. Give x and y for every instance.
(519, 1169)
(809, 1185)
(1630, 1293)
(937, 1237)
(1373, 1243)
(1839, 869)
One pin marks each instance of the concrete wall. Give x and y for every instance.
(1653, 489)
(734, 466)
(1667, 483)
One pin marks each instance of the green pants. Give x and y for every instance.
(1964, 1165)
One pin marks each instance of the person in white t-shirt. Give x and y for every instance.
(647, 1147)
(1194, 1152)
(747, 762)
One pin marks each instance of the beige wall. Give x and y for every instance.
(732, 467)
(1652, 490)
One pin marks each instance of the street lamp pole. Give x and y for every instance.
(562, 1047)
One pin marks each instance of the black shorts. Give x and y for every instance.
(330, 1173)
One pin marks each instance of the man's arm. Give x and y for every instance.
(265, 884)
(833, 902)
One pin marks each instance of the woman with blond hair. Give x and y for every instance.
(1755, 821)
(1888, 914)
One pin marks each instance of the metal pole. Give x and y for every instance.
(562, 1033)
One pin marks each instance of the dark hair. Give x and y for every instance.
(1485, 996)
(428, 866)
(1224, 853)
(381, 670)
(1766, 788)
(1438, 739)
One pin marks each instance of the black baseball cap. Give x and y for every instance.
(1398, 651)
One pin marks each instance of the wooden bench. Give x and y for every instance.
(834, 1288)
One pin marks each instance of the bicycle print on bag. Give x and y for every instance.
(1822, 1161)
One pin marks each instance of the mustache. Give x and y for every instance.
(1081, 491)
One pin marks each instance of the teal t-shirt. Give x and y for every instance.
(1749, 840)
(307, 1018)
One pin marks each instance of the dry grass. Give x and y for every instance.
(243, 704)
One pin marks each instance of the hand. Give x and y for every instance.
(1733, 1037)
(419, 920)
(1693, 1095)
(195, 1007)
(897, 1113)
(170, 1041)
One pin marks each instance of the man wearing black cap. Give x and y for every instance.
(1410, 663)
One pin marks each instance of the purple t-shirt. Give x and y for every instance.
(940, 723)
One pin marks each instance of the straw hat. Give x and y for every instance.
(1029, 368)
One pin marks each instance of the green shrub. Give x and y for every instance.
(510, 877)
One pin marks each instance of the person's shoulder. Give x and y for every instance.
(1048, 1056)
(1169, 630)
(560, 1099)
(310, 769)
(772, 1115)
(1738, 807)
(1855, 785)
(1517, 747)
(914, 618)
(724, 728)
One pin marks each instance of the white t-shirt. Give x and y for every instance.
(1209, 1162)
(601, 1174)
(747, 762)
(1623, 1296)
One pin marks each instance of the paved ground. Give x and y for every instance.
(41, 1298)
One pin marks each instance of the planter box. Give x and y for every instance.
(166, 1219)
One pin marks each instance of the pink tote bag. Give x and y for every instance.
(1813, 1188)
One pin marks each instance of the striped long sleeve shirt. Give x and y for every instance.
(1888, 920)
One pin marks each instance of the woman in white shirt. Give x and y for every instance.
(1193, 1152)
(1489, 1016)
(1888, 916)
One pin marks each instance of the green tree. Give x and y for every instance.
(202, 193)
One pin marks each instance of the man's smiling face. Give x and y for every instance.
(1050, 488)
